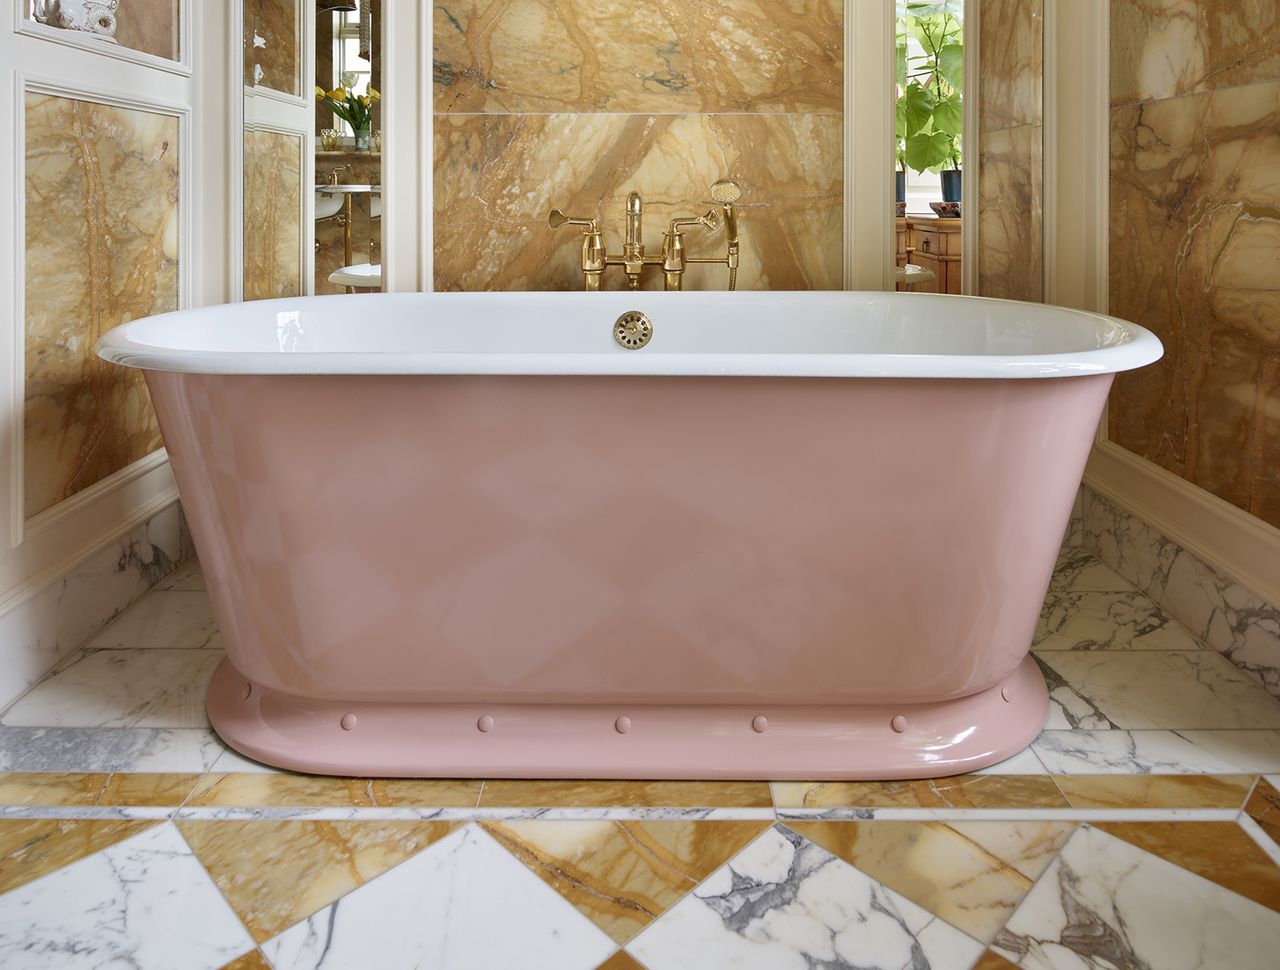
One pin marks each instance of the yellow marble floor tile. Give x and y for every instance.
(625, 794)
(1155, 791)
(1221, 852)
(253, 960)
(321, 791)
(960, 791)
(973, 875)
(275, 873)
(622, 960)
(31, 848)
(86, 788)
(623, 875)
(991, 960)
(1264, 808)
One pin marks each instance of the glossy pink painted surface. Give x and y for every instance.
(687, 544)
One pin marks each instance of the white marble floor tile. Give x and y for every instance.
(143, 903)
(1157, 752)
(1080, 571)
(1105, 903)
(122, 688)
(188, 576)
(1109, 620)
(232, 761)
(180, 750)
(463, 903)
(164, 618)
(783, 903)
(1165, 689)
(1024, 762)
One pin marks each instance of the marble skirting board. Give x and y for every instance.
(1229, 618)
(44, 629)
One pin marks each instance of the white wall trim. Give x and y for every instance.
(75, 38)
(1237, 544)
(969, 175)
(74, 505)
(869, 84)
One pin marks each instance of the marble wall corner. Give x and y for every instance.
(44, 629)
(1222, 613)
(1167, 48)
(1195, 226)
(101, 248)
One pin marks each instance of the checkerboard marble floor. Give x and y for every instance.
(1139, 831)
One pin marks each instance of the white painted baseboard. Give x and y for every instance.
(1230, 540)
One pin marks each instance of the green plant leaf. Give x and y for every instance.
(951, 65)
(948, 116)
(902, 64)
(917, 103)
(926, 150)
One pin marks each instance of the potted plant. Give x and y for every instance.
(354, 109)
(931, 85)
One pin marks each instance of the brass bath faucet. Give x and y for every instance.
(672, 259)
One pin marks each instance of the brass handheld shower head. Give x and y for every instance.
(726, 191)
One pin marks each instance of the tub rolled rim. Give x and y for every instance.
(1122, 345)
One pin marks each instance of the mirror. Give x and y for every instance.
(1000, 111)
(348, 149)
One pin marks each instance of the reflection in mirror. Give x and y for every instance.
(149, 26)
(930, 40)
(348, 151)
(277, 125)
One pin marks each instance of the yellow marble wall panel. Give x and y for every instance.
(1195, 257)
(273, 214)
(1011, 51)
(1011, 214)
(149, 25)
(1164, 48)
(102, 229)
(659, 56)
(498, 175)
(271, 45)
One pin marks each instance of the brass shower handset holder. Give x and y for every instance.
(672, 257)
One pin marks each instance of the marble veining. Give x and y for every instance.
(784, 901)
(1094, 752)
(1195, 224)
(101, 196)
(273, 214)
(1219, 611)
(1106, 903)
(464, 902)
(144, 903)
(1165, 48)
(667, 56)
(107, 749)
(272, 42)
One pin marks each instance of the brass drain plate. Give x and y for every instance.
(633, 330)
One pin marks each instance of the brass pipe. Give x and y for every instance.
(346, 234)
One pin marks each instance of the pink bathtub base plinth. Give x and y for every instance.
(660, 741)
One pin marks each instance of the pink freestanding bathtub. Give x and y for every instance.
(794, 536)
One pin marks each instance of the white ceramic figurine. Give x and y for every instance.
(96, 17)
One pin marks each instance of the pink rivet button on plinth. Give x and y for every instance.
(348, 722)
(622, 725)
(1004, 693)
(759, 724)
(899, 724)
(248, 689)
(485, 724)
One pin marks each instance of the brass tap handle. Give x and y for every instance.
(710, 220)
(556, 219)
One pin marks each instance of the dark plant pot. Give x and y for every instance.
(901, 179)
(951, 185)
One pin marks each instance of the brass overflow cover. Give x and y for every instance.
(633, 330)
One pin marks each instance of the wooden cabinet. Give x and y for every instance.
(935, 244)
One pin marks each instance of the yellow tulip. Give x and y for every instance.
(337, 94)
(320, 93)
(373, 93)
(365, 100)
